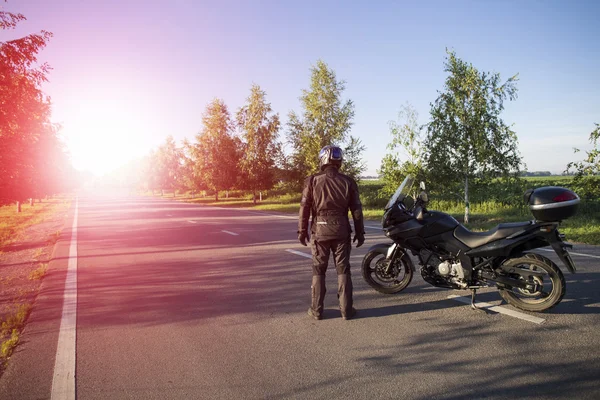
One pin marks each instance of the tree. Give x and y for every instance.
(29, 145)
(259, 128)
(467, 141)
(169, 159)
(216, 152)
(406, 138)
(189, 176)
(325, 120)
(587, 171)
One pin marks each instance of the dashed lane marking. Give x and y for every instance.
(298, 253)
(231, 233)
(498, 309)
(192, 222)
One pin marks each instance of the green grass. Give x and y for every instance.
(564, 178)
(484, 215)
(584, 227)
(10, 329)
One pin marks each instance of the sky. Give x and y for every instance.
(128, 73)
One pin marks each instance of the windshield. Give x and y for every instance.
(402, 191)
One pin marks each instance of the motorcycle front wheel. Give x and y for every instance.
(383, 277)
(551, 285)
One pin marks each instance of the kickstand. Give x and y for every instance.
(473, 293)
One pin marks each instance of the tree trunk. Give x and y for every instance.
(31, 201)
(466, 199)
(260, 194)
(216, 195)
(254, 197)
(227, 194)
(18, 206)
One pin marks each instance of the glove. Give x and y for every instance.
(360, 237)
(303, 237)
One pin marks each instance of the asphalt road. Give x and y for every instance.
(179, 301)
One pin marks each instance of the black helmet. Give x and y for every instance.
(330, 155)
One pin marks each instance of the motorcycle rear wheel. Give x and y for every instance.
(374, 272)
(552, 284)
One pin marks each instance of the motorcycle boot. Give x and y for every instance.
(317, 296)
(345, 296)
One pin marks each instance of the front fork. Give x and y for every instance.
(393, 252)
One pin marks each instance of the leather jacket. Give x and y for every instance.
(326, 199)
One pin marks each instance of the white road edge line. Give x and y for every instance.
(231, 233)
(63, 381)
(498, 309)
(298, 253)
(575, 254)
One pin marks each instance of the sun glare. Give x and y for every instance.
(103, 135)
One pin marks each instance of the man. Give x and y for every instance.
(328, 196)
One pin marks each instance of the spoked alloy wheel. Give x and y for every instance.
(549, 287)
(382, 276)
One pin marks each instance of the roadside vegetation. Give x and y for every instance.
(12, 224)
(26, 242)
(485, 214)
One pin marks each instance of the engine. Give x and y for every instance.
(442, 272)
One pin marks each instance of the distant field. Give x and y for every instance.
(566, 178)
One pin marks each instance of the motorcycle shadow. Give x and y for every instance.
(582, 297)
(429, 305)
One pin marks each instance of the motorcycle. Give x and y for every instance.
(451, 256)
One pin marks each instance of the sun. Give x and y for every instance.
(103, 134)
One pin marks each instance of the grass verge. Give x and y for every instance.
(24, 269)
(12, 224)
(582, 228)
(11, 328)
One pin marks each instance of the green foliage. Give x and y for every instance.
(406, 138)
(587, 171)
(259, 128)
(215, 155)
(167, 165)
(467, 139)
(325, 120)
(10, 328)
(33, 161)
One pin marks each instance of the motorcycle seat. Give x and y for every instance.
(501, 231)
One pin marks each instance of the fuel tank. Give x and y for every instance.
(436, 223)
(404, 230)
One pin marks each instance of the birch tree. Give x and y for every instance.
(467, 140)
